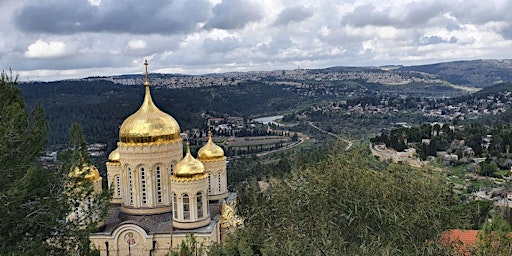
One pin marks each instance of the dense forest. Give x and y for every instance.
(100, 106)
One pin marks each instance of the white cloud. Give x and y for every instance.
(136, 44)
(108, 36)
(44, 50)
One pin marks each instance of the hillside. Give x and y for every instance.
(473, 73)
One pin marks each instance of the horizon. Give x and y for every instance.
(248, 71)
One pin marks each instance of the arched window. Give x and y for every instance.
(143, 184)
(186, 207)
(174, 206)
(118, 186)
(171, 170)
(209, 183)
(219, 184)
(130, 185)
(158, 184)
(199, 201)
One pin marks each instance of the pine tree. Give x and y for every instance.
(29, 194)
(84, 206)
(35, 200)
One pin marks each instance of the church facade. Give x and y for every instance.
(160, 195)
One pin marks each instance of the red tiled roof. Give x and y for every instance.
(461, 240)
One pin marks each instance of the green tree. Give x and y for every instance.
(80, 196)
(346, 204)
(36, 199)
(29, 194)
(494, 238)
(189, 247)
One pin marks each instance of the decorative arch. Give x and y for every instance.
(129, 227)
(159, 183)
(143, 175)
(185, 202)
(174, 199)
(200, 204)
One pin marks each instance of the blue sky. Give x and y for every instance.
(60, 39)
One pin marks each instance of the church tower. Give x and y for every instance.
(114, 175)
(189, 196)
(149, 147)
(212, 156)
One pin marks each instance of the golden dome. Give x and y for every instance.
(210, 151)
(114, 156)
(188, 166)
(149, 124)
(89, 172)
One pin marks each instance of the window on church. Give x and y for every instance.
(209, 183)
(118, 186)
(218, 181)
(158, 184)
(130, 185)
(171, 170)
(199, 201)
(186, 207)
(174, 206)
(143, 184)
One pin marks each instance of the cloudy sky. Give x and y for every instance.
(59, 39)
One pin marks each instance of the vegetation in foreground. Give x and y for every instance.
(35, 200)
(345, 204)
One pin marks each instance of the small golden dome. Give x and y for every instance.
(149, 124)
(114, 156)
(210, 151)
(89, 172)
(188, 166)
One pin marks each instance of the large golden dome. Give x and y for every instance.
(210, 151)
(149, 124)
(189, 166)
(89, 172)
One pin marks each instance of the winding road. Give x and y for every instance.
(349, 142)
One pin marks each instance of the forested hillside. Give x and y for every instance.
(101, 106)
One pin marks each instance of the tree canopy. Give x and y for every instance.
(36, 199)
(346, 204)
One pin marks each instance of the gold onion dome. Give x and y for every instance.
(210, 151)
(89, 172)
(114, 156)
(188, 166)
(149, 124)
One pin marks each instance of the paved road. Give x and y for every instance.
(294, 144)
(349, 142)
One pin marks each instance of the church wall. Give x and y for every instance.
(113, 172)
(214, 168)
(191, 188)
(148, 157)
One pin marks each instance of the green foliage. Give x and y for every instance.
(347, 204)
(487, 168)
(34, 199)
(80, 198)
(189, 247)
(474, 213)
(29, 194)
(494, 238)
